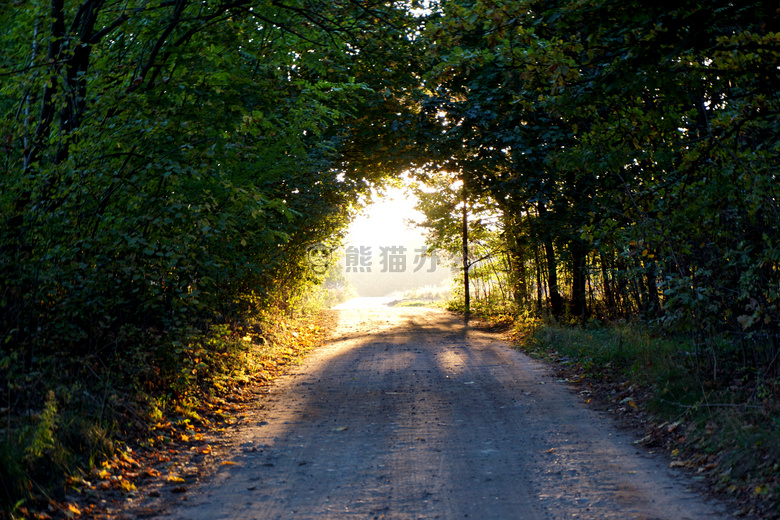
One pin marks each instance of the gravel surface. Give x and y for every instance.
(408, 414)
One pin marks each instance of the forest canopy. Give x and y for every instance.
(631, 148)
(167, 163)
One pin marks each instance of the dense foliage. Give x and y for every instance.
(632, 149)
(164, 167)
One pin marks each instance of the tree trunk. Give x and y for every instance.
(515, 257)
(465, 242)
(538, 264)
(556, 302)
(608, 290)
(579, 255)
(654, 303)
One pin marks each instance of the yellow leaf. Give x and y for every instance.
(126, 485)
(760, 490)
(228, 463)
(130, 460)
(173, 478)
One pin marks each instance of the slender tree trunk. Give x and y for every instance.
(515, 259)
(607, 283)
(538, 278)
(579, 254)
(592, 290)
(637, 292)
(520, 281)
(654, 302)
(48, 105)
(622, 289)
(465, 242)
(556, 302)
(499, 283)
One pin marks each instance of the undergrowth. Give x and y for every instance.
(428, 296)
(64, 416)
(722, 422)
(490, 309)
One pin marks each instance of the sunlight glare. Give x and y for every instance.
(390, 249)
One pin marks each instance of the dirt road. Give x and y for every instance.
(408, 414)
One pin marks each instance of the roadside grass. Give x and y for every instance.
(418, 303)
(88, 426)
(495, 310)
(427, 296)
(721, 422)
(438, 293)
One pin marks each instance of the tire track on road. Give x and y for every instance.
(409, 414)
